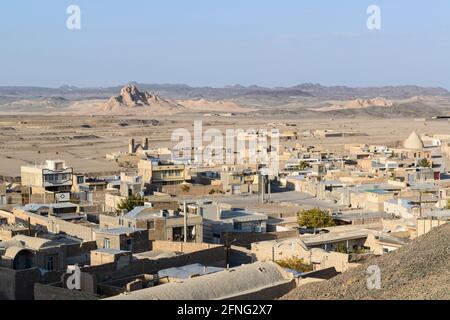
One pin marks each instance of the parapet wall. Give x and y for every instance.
(188, 247)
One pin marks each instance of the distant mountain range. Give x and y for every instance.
(181, 91)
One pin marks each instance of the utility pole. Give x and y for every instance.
(263, 187)
(227, 248)
(185, 220)
(420, 200)
(29, 226)
(228, 244)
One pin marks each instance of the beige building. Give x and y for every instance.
(53, 176)
(23, 252)
(278, 250)
(83, 183)
(370, 200)
(425, 225)
(156, 173)
(161, 224)
(105, 256)
(123, 238)
(238, 179)
(130, 184)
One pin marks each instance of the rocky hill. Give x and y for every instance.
(131, 97)
(419, 270)
(131, 101)
(355, 104)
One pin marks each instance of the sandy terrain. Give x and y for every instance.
(82, 125)
(354, 104)
(83, 141)
(202, 105)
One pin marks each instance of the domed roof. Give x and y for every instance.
(34, 242)
(413, 142)
(12, 252)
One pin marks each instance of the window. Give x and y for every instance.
(106, 243)
(177, 234)
(151, 225)
(129, 245)
(237, 225)
(50, 264)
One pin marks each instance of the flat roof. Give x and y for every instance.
(334, 237)
(155, 254)
(188, 271)
(110, 251)
(136, 211)
(118, 231)
(362, 215)
(379, 191)
(441, 214)
(59, 205)
(12, 227)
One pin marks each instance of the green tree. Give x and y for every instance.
(315, 218)
(424, 163)
(303, 166)
(341, 248)
(131, 202)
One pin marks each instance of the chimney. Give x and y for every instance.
(131, 148)
(29, 226)
(185, 220)
(145, 143)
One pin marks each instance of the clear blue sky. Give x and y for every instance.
(221, 42)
